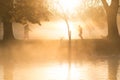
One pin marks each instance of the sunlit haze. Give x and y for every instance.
(69, 5)
(109, 2)
(58, 30)
(65, 6)
(59, 40)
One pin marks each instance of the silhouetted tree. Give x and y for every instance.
(21, 11)
(5, 8)
(111, 12)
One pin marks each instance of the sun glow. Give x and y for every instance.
(109, 2)
(69, 5)
(64, 30)
(66, 6)
(55, 30)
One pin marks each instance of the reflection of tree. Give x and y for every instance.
(111, 10)
(65, 17)
(64, 14)
(69, 46)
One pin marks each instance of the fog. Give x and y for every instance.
(48, 59)
(38, 51)
(44, 54)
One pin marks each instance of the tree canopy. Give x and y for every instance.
(23, 10)
(33, 10)
(111, 11)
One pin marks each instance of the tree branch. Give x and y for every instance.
(115, 2)
(105, 4)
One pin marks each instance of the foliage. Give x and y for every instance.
(23, 10)
(96, 14)
(33, 11)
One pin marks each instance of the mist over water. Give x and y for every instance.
(47, 55)
(48, 60)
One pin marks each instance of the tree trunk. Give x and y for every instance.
(8, 31)
(112, 25)
(111, 11)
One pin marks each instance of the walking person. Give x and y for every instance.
(80, 32)
(26, 31)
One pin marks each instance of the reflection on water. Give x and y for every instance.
(57, 71)
(34, 66)
(1, 73)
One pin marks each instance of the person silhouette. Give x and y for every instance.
(80, 32)
(26, 31)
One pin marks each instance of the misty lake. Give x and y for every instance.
(57, 71)
(57, 49)
(48, 60)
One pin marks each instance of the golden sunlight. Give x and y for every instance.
(64, 30)
(55, 30)
(60, 72)
(67, 6)
(109, 2)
